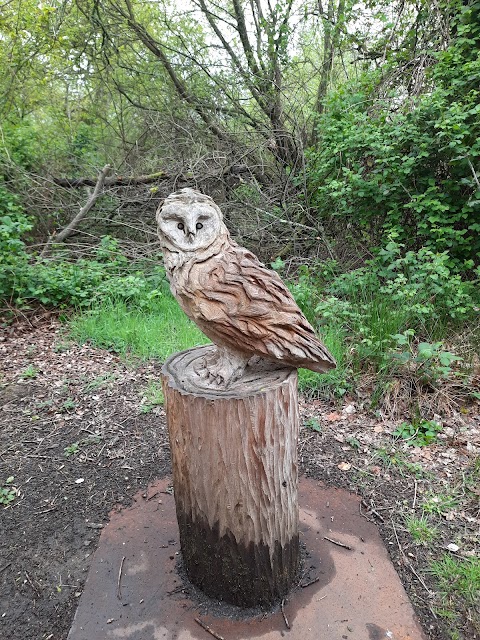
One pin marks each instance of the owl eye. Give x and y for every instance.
(199, 225)
(180, 226)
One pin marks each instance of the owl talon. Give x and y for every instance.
(221, 368)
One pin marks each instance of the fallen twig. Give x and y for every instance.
(408, 564)
(177, 590)
(339, 544)
(287, 624)
(37, 513)
(31, 584)
(307, 584)
(9, 564)
(362, 514)
(379, 515)
(374, 511)
(119, 582)
(208, 629)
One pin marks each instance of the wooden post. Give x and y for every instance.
(234, 456)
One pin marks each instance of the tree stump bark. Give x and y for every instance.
(234, 456)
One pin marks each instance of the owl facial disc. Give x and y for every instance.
(187, 226)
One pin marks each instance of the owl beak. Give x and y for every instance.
(190, 235)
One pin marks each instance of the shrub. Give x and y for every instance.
(13, 254)
(390, 319)
(62, 283)
(407, 166)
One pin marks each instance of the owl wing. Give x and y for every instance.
(239, 303)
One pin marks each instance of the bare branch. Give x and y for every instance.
(119, 181)
(71, 226)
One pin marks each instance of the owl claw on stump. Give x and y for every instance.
(222, 367)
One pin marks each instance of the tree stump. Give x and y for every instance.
(234, 456)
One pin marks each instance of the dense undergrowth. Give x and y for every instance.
(388, 169)
(401, 327)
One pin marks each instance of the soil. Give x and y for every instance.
(80, 435)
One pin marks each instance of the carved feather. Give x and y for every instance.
(241, 305)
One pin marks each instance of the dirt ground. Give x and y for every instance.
(80, 435)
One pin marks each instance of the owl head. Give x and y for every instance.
(189, 221)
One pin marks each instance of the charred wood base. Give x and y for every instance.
(246, 576)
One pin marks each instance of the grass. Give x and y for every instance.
(30, 373)
(158, 330)
(335, 382)
(358, 332)
(458, 579)
(162, 328)
(100, 381)
(439, 503)
(421, 530)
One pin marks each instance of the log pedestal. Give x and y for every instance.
(234, 457)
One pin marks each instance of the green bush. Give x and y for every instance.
(416, 290)
(61, 283)
(407, 166)
(13, 254)
(385, 318)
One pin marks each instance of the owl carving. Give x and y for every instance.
(242, 306)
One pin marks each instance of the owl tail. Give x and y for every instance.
(320, 367)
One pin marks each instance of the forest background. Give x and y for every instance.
(342, 142)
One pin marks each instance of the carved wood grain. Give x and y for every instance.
(242, 306)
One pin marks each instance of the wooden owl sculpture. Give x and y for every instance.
(242, 306)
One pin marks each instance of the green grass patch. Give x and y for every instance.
(337, 381)
(162, 328)
(421, 529)
(156, 331)
(440, 503)
(458, 578)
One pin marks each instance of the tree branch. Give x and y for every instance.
(178, 83)
(118, 181)
(71, 226)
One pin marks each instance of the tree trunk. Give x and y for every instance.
(234, 456)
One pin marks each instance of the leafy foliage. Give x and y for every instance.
(429, 361)
(389, 317)
(407, 168)
(63, 283)
(8, 492)
(13, 254)
(420, 434)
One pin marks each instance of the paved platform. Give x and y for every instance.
(358, 595)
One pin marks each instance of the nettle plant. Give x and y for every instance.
(419, 433)
(428, 361)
